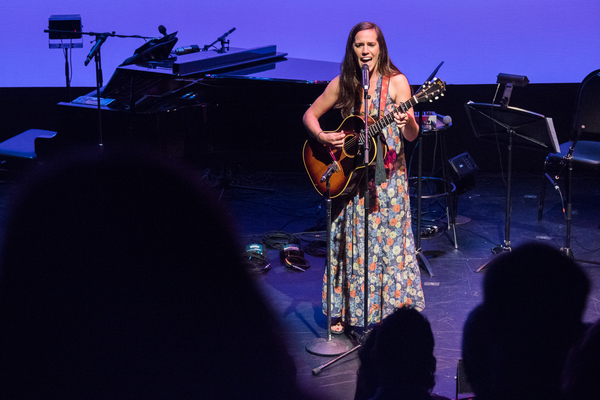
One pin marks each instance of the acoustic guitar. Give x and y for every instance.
(346, 165)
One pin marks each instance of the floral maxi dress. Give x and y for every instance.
(394, 275)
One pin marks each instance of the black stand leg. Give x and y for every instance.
(543, 191)
(420, 256)
(450, 208)
(569, 209)
(506, 245)
(98, 92)
(68, 73)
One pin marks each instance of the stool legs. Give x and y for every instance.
(450, 214)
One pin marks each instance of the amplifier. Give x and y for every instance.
(463, 164)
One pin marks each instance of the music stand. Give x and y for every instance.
(513, 127)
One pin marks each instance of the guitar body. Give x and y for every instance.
(317, 158)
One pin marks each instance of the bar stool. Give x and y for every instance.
(437, 130)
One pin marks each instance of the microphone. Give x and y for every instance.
(333, 167)
(447, 120)
(226, 34)
(365, 76)
(187, 49)
(96, 48)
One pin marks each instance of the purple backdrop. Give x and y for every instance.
(549, 41)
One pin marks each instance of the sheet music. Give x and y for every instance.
(550, 125)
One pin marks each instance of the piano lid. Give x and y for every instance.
(155, 85)
(258, 63)
(288, 69)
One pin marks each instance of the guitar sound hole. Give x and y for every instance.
(351, 147)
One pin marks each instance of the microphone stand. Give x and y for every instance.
(365, 138)
(224, 43)
(366, 84)
(95, 54)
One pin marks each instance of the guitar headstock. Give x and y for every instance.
(432, 90)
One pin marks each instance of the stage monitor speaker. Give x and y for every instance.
(462, 173)
(69, 24)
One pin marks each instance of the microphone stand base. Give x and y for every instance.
(324, 347)
(424, 263)
(567, 252)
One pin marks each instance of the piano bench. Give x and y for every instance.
(18, 152)
(23, 144)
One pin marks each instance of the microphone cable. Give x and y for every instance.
(255, 261)
(278, 239)
(293, 258)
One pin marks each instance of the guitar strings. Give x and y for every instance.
(384, 121)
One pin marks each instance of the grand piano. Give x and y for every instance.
(242, 108)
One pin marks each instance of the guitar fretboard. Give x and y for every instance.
(376, 128)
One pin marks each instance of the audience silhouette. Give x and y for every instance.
(516, 342)
(120, 279)
(397, 360)
(581, 371)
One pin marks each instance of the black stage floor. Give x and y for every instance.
(263, 203)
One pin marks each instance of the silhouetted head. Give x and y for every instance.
(581, 370)
(120, 278)
(404, 351)
(537, 282)
(516, 342)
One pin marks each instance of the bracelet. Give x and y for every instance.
(319, 137)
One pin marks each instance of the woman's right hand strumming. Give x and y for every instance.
(332, 139)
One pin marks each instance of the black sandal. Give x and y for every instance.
(338, 324)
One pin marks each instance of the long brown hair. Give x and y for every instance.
(350, 88)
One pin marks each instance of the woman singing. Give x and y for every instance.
(394, 276)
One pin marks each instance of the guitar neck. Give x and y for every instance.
(376, 128)
(430, 90)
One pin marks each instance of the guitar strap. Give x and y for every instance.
(380, 173)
